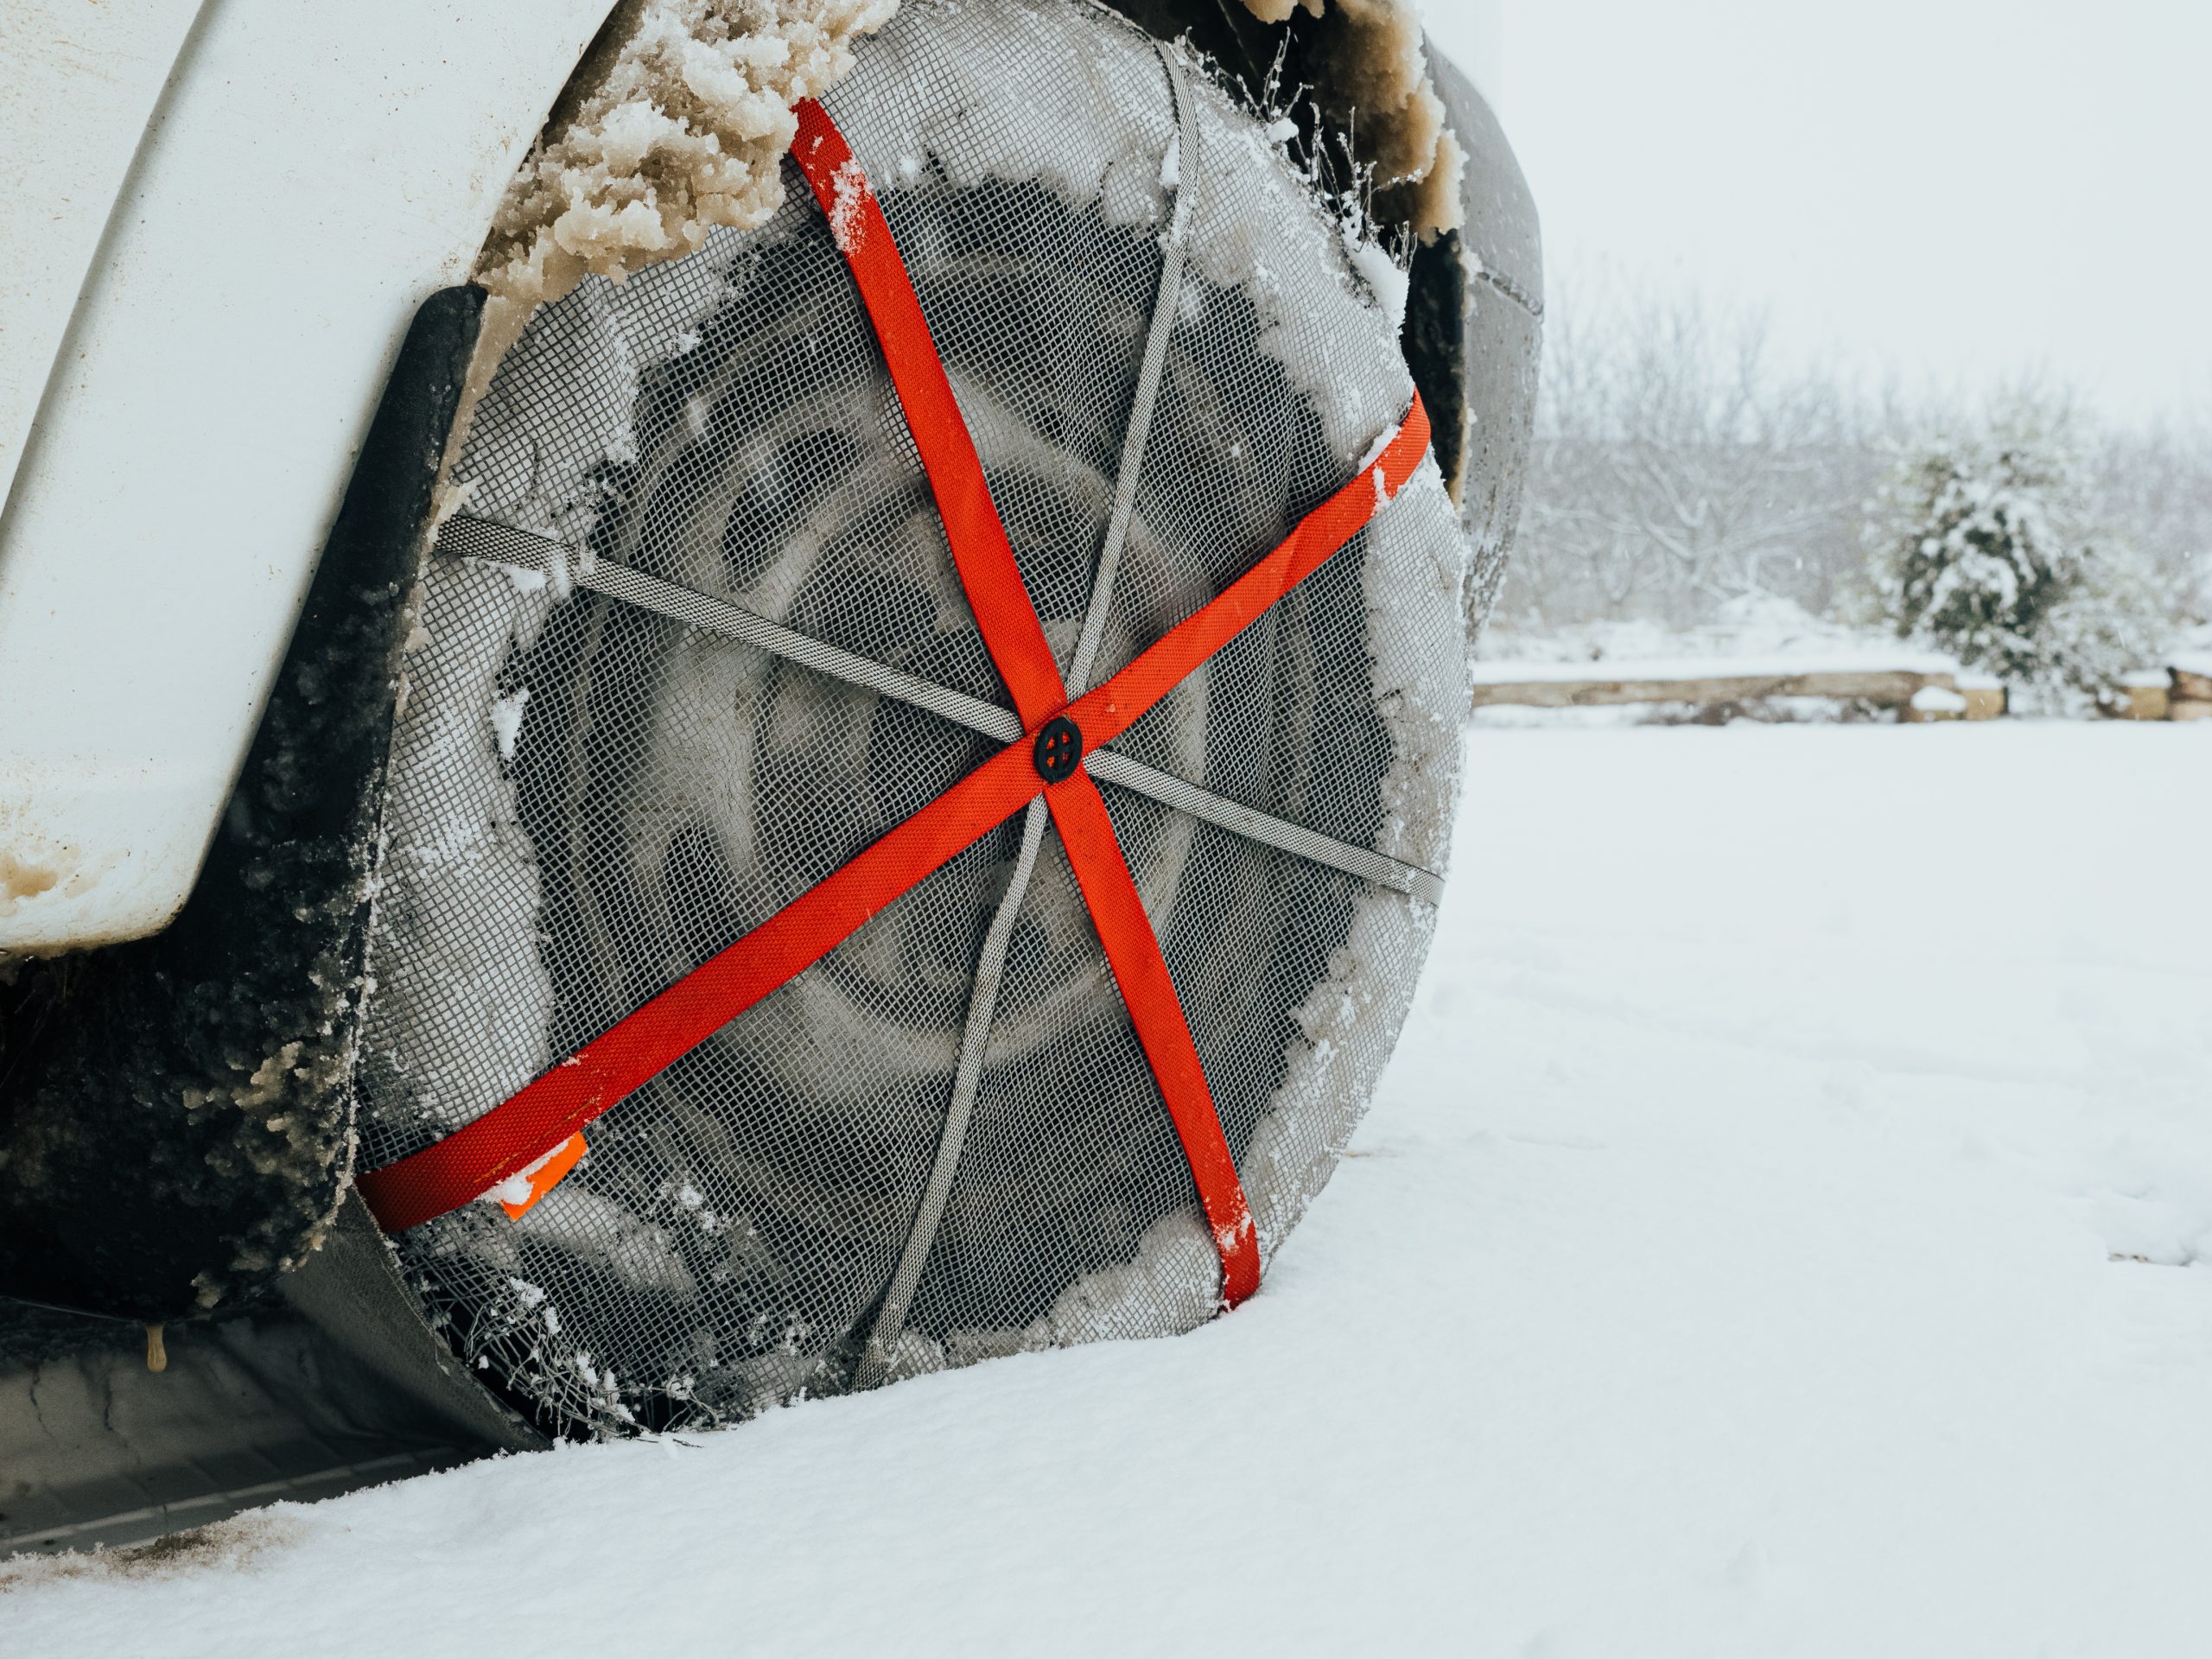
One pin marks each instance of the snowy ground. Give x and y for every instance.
(1773, 1239)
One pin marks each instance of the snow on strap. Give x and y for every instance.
(521, 1134)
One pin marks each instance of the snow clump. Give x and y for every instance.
(1371, 81)
(673, 126)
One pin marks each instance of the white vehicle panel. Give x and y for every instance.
(308, 174)
(82, 78)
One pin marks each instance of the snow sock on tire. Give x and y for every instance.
(924, 775)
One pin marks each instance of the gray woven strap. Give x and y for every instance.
(462, 536)
(1165, 305)
(890, 1322)
(1109, 766)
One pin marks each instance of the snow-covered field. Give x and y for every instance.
(1775, 1238)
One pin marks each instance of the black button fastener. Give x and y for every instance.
(1060, 748)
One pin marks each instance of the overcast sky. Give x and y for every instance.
(1959, 190)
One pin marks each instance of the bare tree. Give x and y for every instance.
(2154, 488)
(1674, 468)
(1677, 467)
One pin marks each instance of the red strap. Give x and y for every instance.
(512, 1135)
(1133, 949)
(1003, 613)
(549, 1110)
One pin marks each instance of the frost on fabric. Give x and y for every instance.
(561, 406)
(506, 724)
(979, 125)
(1332, 321)
(849, 195)
(1385, 278)
(1170, 1285)
(1414, 566)
(453, 947)
(1349, 1024)
(634, 1250)
(462, 995)
(675, 125)
(1372, 78)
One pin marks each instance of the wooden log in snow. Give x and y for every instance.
(1984, 702)
(2190, 686)
(2143, 702)
(1887, 687)
(2191, 695)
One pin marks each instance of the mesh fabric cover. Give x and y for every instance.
(588, 800)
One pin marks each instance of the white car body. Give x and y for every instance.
(192, 338)
(259, 196)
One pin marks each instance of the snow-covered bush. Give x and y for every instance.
(1979, 545)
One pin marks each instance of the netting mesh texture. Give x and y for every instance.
(588, 800)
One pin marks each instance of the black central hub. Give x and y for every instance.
(1060, 748)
